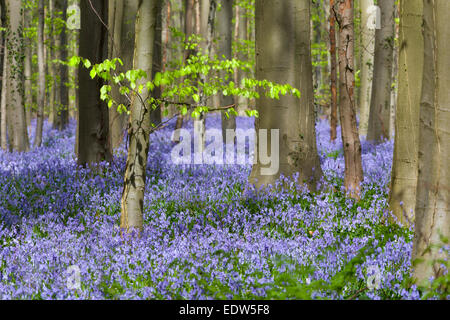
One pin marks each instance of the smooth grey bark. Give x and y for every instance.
(432, 215)
(41, 74)
(93, 120)
(333, 74)
(402, 196)
(15, 109)
(28, 93)
(63, 111)
(240, 36)
(188, 31)
(224, 51)
(367, 61)
(73, 37)
(155, 115)
(349, 130)
(4, 98)
(380, 102)
(115, 25)
(122, 16)
(53, 54)
(283, 55)
(3, 59)
(132, 203)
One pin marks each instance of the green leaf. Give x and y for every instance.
(87, 63)
(93, 73)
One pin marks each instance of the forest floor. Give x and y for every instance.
(208, 234)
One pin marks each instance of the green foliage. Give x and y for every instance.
(180, 85)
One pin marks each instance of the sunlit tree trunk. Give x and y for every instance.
(132, 202)
(4, 98)
(156, 116)
(402, 197)
(380, 103)
(4, 82)
(394, 91)
(41, 74)
(93, 120)
(188, 31)
(73, 38)
(28, 94)
(367, 57)
(333, 73)
(283, 56)
(63, 111)
(115, 21)
(432, 216)
(15, 108)
(240, 36)
(224, 32)
(349, 130)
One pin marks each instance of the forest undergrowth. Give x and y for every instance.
(207, 233)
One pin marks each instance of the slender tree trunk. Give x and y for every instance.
(283, 56)
(349, 129)
(333, 73)
(432, 216)
(208, 29)
(367, 57)
(394, 91)
(56, 55)
(41, 72)
(50, 65)
(188, 31)
(240, 37)
(116, 120)
(3, 66)
(124, 39)
(93, 120)
(4, 98)
(16, 111)
(63, 114)
(73, 72)
(166, 35)
(132, 203)
(380, 103)
(224, 30)
(155, 115)
(402, 197)
(28, 93)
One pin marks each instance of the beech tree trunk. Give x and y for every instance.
(188, 31)
(283, 55)
(4, 80)
(224, 30)
(41, 72)
(63, 112)
(432, 216)
(402, 196)
(350, 138)
(333, 73)
(73, 73)
(155, 115)
(240, 37)
(132, 203)
(367, 60)
(380, 103)
(4, 98)
(93, 120)
(15, 108)
(28, 93)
